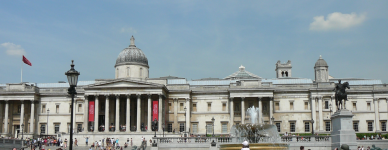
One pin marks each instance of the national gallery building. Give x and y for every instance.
(127, 105)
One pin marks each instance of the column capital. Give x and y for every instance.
(175, 99)
(32, 101)
(138, 95)
(149, 95)
(231, 98)
(117, 95)
(86, 97)
(271, 98)
(6, 101)
(259, 98)
(22, 101)
(96, 95)
(242, 98)
(106, 95)
(128, 95)
(187, 99)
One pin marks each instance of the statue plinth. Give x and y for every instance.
(343, 132)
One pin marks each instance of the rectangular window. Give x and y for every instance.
(79, 128)
(278, 126)
(368, 106)
(170, 107)
(44, 108)
(79, 107)
(42, 128)
(277, 106)
(370, 126)
(169, 127)
(327, 124)
(292, 126)
(306, 105)
(354, 106)
(181, 127)
(194, 107)
(102, 106)
(306, 126)
(383, 126)
(195, 128)
(326, 104)
(57, 108)
(209, 106)
(181, 107)
(209, 128)
(56, 128)
(355, 126)
(224, 128)
(291, 105)
(223, 106)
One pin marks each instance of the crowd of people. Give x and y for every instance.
(111, 143)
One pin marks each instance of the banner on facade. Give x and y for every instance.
(91, 110)
(155, 110)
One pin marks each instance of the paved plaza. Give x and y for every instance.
(83, 148)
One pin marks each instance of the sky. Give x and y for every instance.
(193, 39)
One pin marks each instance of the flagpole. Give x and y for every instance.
(21, 77)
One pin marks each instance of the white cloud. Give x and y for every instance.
(337, 21)
(13, 49)
(128, 30)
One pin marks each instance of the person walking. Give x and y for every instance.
(65, 144)
(131, 142)
(75, 142)
(86, 140)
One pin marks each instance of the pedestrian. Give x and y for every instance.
(131, 142)
(65, 144)
(75, 142)
(86, 140)
(301, 147)
(150, 142)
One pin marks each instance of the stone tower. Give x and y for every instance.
(283, 70)
(321, 70)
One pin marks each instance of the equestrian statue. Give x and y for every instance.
(340, 94)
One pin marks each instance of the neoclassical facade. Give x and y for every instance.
(126, 105)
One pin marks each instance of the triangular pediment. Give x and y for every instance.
(125, 83)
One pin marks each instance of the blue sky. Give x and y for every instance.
(193, 39)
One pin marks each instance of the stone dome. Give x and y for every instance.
(132, 56)
(321, 62)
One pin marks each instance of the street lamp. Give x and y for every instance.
(185, 119)
(213, 125)
(72, 77)
(312, 126)
(272, 119)
(22, 130)
(48, 113)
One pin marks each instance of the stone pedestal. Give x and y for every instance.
(343, 132)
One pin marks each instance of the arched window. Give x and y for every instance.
(141, 72)
(282, 73)
(127, 71)
(286, 73)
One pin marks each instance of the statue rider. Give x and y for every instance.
(340, 92)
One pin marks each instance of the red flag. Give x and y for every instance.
(26, 61)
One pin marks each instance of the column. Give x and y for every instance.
(22, 114)
(128, 116)
(32, 116)
(95, 113)
(107, 113)
(313, 115)
(231, 109)
(175, 113)
(242, 110)
(86, 114)
(188, 114)
(6, 117)
(149, 116)
(160, 112)
(377, 114)
(333, 105)
(260, 109)
(117, 126)
(138, 113)
(270, 109)
(320, 114)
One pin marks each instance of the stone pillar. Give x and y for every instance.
(320, 114)
(343, 132)
(333, 105)
(128, 112)
(107, 113)
(22, 114)
(149, 116)
(313, 112)
(96, 113)
(260, 109)
(32, 116)
(175, 113)
(117, 119)
(188, 115)
(377, 114)
(242, 110)
(138, 113)
(86, 114)
(231, 111)
(270, 109)
(160, 120)
(6, 117)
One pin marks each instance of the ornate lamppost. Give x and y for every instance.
(72, 77)
(312, 126)
(272, 120)
(48, 113)
(213, 125)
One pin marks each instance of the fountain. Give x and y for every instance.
(259, 135)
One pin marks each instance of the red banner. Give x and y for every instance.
(155, 110)
(91, 110)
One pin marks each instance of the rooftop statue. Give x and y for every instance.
(340, 94)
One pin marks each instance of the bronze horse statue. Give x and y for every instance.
(340, 94)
